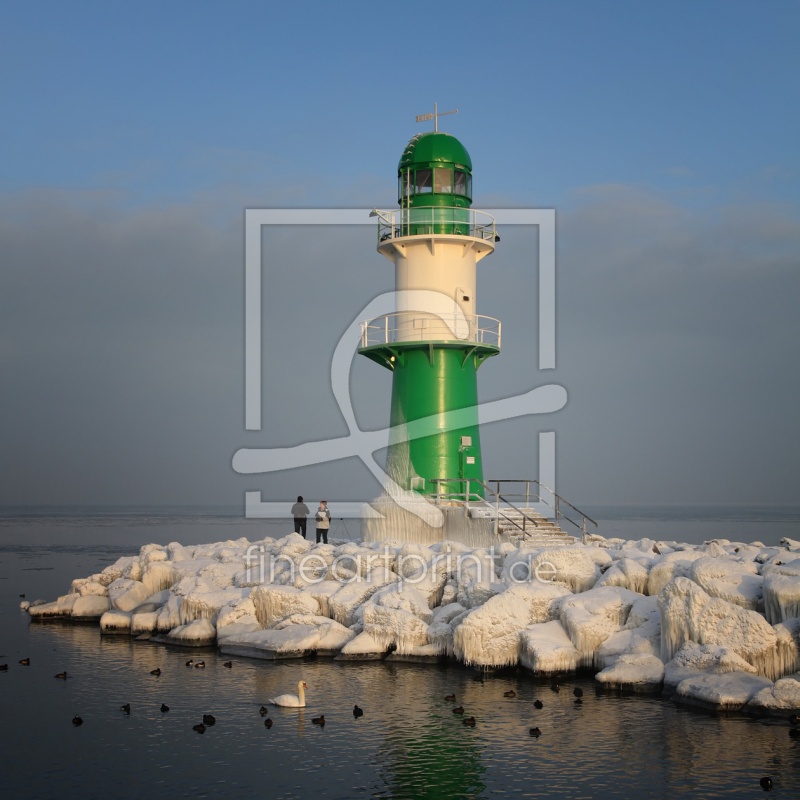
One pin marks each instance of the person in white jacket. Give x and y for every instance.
(323, 517)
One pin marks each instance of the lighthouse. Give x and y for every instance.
(434, 349)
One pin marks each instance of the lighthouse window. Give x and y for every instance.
(469, 186)
(461, 182)
(424, 183)
(402, 186)
(442, 181)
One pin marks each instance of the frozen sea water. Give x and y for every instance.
(407, 745)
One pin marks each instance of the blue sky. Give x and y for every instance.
(134, 135)
(162, 100)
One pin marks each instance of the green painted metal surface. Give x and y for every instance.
(426, 382)
(426, 148)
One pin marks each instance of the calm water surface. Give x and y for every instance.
(407, 745)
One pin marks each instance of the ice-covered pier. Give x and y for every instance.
(715, 625)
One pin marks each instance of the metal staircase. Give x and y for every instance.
(522, 524)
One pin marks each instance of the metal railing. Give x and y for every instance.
(410, 326)
(538, 497)
(467, 496)
(435, 219)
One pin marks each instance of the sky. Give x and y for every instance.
(134, 136)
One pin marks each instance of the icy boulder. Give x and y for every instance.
(782, 591)
(177, 552)
(394, 626)
(362, 648)
(626, 573)
(93, 587)
(158, 575)
(689, 614)
(788, 634)
(59, 608)
(448, 612)
(114, 572)
(115, 622)
(672, 565)
(490, 634)
(641, 634)
(591, 617)
(169, 615)
(693, 660)
(440, 636)
(274, 603)
(726, 692)
(291, 638)
(637, 671)
(206, 605)
(346, 600)
(546, 649)
(125, 594)
(784, 696)
(736, 582)
(322, 593)
(567, 566)
(89, 606)
(144, 623)
(197, 633)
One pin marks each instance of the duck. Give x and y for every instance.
(318, 720)
(578, 701)
(794, 719)
(3, 667)
(263, 711)
(62, 675)
(555, 688)
(76, 720)
(267, 723)
(156, 671)
(228, 664)
(291, 700)
(209, 719)
(200, 665)
(22, 596)
(468, 721)
(164, 708)
(766, 784)
(358, 712)
(538, 704)
(126, 708)
(450, 698)
(26, 662)
(578, 692)
(459, 710)
(190, 662)
(535, 732)
(510, 693)
(199, 728)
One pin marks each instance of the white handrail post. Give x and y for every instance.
(386, 340)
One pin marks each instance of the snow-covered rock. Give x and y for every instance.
(361, 648)
(490, 635)
(115, 622)
(90, 606)
(144, 623)
(784, 696)
(689, 614)
(626, 573)
(546, 649)
(591, 617)
(672, 565)
(693, 660)
(638, 671)
(641, 634)
(729, 691)
(291, 638)
(198, 633)
(568, 566)
(736, 582)
(125, 594)
(274, 603)
(782, 591)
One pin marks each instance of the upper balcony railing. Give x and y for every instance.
(435, 219)
(410, 326)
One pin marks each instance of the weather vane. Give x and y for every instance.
(435, 116)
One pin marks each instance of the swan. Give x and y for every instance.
(291, 700)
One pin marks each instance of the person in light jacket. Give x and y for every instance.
(323, 517)
(300, 512)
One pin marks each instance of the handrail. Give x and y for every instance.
(427, 326)
(425, 220)
(557, 507)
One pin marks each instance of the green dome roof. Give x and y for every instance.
(426, 148)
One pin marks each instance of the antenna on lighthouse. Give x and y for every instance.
(435, 116)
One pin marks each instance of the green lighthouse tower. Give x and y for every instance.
(435, 342)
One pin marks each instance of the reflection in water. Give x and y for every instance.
(408, 744)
